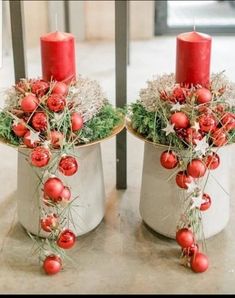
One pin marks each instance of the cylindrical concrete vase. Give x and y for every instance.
(87, 187)
(160, 207)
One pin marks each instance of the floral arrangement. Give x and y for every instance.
(50, 119)
(194, 122)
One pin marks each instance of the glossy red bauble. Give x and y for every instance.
(77, 121)
(169, 159)
(53, 188)
(59, 88)
(184, 238)
(207, 123)
(180, 120)
(203, 95)
(49, 222)
(20, 129)
(56, 102)
(182, 179)
(68, 165)
(66, 194)
(29, 103)
(28, 142)
(228, 121)
(199, 263)
(192, 136)
(39, 121)
(52, 264)
(219, 137)
(206, 205)
(196, 168)
(39, 88)
(56, 138)
(192, 250)
(40, 157)
(66, 239)
(212, 161)
(179, 95)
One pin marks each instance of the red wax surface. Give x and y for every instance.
(193, 54)
(58, 56)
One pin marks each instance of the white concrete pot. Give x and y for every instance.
(88, 183)
(160, 207)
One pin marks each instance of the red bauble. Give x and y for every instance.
(207, 204)
(39, 87)
(192, 250)
(55, 137)
(53, 188)
(192, 136)
(66, 194)
(39, 121)
(203, 95)
(199, 263)
(228, 121)
(212, 161)
(29, 103)
(196, 168)
(27, 141)
(52, 264)
(77, 121)
(40, 157)
(20, 129)
(207, 123)
(182, 178)
(66, 239)
(68, 165)
(184, 238)
(179, 94)
(59, 88)
(219, 137)
(169, 159)
(56, 102)
(49, 222)
(180, 120)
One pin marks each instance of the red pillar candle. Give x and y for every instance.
(193, 55)
(58, 56)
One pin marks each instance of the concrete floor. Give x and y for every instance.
(121, 255)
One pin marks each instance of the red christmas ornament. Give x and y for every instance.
(77, 121)
(27, 141)
(52, 264)
(49, 222)
(29, 103)
(228, 121)
(56, 137)
(169, 159)
(179, 95)
(39, 88)
(203, 95)
(40, 157)
(190, 251)
(53, 188)
(68, 165)
(199, 263)
(180, 120)
(59, 88)
(66, 194)
(39, 121)
(212, 161)
(20, 129)
(207, 204)
(192, 136)
(182, 178)
(184, 238)
(207, 123)
(56, 102)
(196, 168)
(219, 137)
(66, 239)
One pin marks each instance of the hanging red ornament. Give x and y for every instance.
(180, 120)
(196, 168)
(29, 103)
(199, 263)
(66, 194)
(39, 121)
(56, 103)
(184, 238)
(53, 188)
(40, 157)
(28, 142)
(212, 161)
(59, 88)
(182, 179)
(219, 137)
(207, 123)
(52, 264)
(192, 136)
(49, 223)
(190, 251)
(169, 159)
(66, 239)
(206, 205)
(77, 121)
(68, 165)
(39, 88)
(179, 95)
(20, 129)
(228, 121)
(56, 138)
(203, 95)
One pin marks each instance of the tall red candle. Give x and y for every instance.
(58, 56)
(193, 56)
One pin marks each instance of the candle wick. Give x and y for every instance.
(194, 25)
(56, 21)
